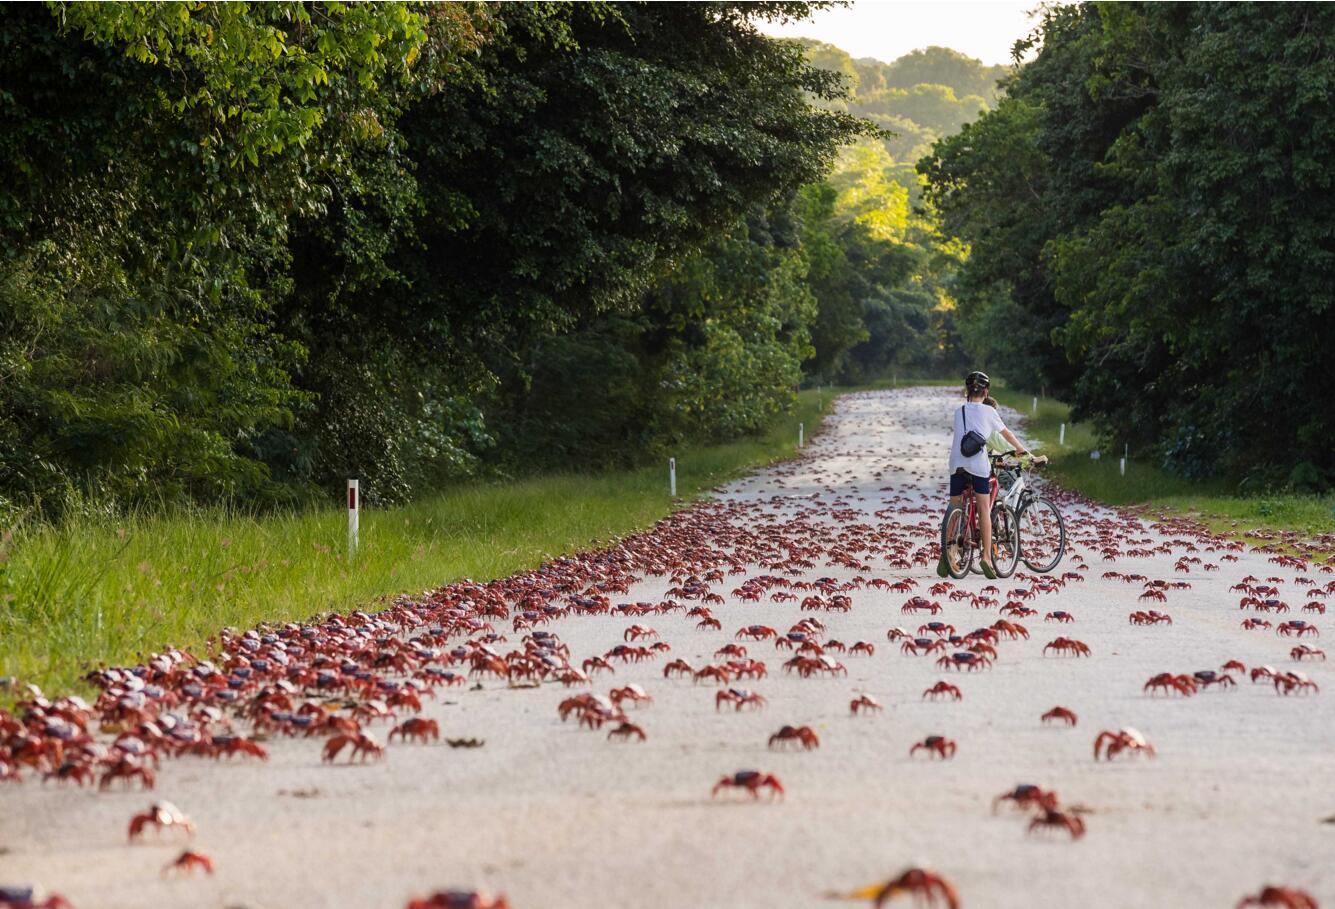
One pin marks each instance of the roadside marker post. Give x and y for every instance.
(1061, 436)
(1123, 466)
(354, 514)
(672, 477)
(801, 434)
(1034, 407)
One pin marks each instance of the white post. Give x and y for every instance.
(1061, 436)
(1123, 466)
(801, 430)
(354, 513)
(672, 476)
(1034, 407)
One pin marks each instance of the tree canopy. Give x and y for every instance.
(1147, 216)
(251, 249)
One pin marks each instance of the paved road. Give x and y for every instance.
(558, 817)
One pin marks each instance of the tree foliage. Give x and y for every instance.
(1158, 229)
(247, 250)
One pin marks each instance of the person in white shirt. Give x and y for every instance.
(966, 471)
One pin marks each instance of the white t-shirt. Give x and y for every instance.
(983, 420)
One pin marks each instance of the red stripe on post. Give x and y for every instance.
(352, 498)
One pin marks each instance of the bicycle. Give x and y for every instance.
(1042, 527)
(961, 537)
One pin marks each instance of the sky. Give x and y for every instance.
(886, 30)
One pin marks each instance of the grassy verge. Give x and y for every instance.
(1214, 503)
(95, 590)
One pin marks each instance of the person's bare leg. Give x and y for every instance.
(983, 501)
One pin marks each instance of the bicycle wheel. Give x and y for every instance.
(1044, 533)
(954, 543)
(1005, 540)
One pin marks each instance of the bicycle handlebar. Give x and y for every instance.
(1003, 456)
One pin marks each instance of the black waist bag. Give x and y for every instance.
(973, 442)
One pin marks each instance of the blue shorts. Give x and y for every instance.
(961, 478)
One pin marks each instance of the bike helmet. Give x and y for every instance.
(977, 379)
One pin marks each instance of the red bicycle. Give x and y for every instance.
(962, 538)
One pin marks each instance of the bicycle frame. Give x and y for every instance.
(970, 505)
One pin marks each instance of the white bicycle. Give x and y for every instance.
(1042, 529)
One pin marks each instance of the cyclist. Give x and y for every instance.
(973, 470)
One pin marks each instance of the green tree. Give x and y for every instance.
(1162, 243)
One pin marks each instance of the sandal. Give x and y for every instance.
(988, 571)
(942, 566)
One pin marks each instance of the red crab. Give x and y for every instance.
(920, 604)
(1061, 713)
(416, 729)
(1026, 795)
(678, 667)
(1054, 819)
(625, 731)
(1067, 645)
(964, 659)
(188, 862)
(1296, 628)
(1279, 898)
(756, 632)
(751, 781)
(1169, 683)
(1059, 616)
(459, 899)
(597, 664)
(804, 736)
(940, 629)
(161, 815)
(1304, 652)
(1207, 677)
(938, 745)
(864, 702)
(1128, 740)
(1012, 630)
(1293, 683)
(739, 698)
(923, 885)
(363, 746)
(718, 674)
(633, 693)
(943, 689)
(24, 898)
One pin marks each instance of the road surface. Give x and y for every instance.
(555, 816)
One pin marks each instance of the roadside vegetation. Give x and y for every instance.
(92, 589)
(1222, 506)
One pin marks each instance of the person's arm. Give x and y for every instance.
(1015, 443)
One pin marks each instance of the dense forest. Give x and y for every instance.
(1147, 212)
(247, 250)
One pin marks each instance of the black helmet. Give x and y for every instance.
(977, 379)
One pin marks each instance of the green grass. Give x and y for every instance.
(94, 590)
(1213, 502)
